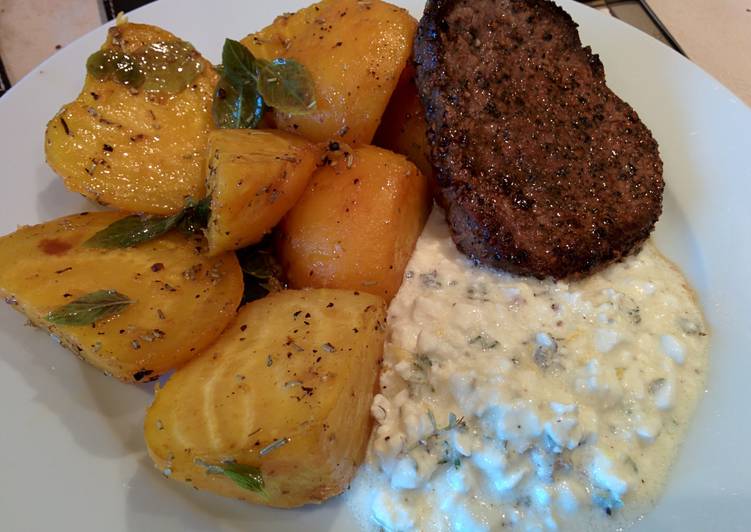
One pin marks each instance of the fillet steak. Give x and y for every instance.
(542, 169)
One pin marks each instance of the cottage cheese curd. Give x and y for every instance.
(509, 402)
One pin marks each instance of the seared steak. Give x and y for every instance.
(542, 169)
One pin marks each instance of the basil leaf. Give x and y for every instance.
(100, 65)
(133, 230)
(262, 273)
(247, 477)
(196, 216)
(235, 108)
(259, 263)
(127, 71)
(286, 85)
(168, 66)
(238, 64)
(248, 84)
(89, 308)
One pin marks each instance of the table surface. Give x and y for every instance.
(715, 34)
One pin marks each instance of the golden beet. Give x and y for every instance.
(134, 149)
(354, 51)
(285, 391)
(181, 299)
(403, 127)
(356, 224)
(254, 177)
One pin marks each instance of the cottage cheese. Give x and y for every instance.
(508, 402)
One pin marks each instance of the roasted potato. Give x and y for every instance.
(135, 149)
(254, 177)
(355, 52)
(403, 127)
(356, 224)
(284, 395)
(180, 299)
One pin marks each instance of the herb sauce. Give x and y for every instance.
(513, 403)
(168, 66)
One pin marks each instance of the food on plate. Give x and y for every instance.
(512, 403)
(403, 128)
(276, 412)
(542, 169)
(354, 51)
(135, 138)
(356, 224)
(125, 311)
(253, 177)
(249, 86)
(505, 401)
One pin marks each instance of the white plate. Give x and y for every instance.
(71, 449)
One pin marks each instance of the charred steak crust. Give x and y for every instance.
(542, 169)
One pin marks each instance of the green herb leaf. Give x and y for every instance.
(100, 65)
(128, 71)
(168, 66)
(234, 107)
(262, 273)
(133, 230)
(286, 85)
(274, 445)
(239, 67)
(431, 417)
(89, 308)
(259, 263)
(453, 424)
(196, 216)
(247, 477)
(247, 85)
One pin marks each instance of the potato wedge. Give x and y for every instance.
(285, 390)
(137, 150)
(170, 284)
(354, 51)
(403, 127)
(356, 224)
(254, 177)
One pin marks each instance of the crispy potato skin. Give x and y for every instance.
(355, 52)
(43, 267)
(403, 127)
(297, 364)
(254, 177)
(356, 225)
(139, 152)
